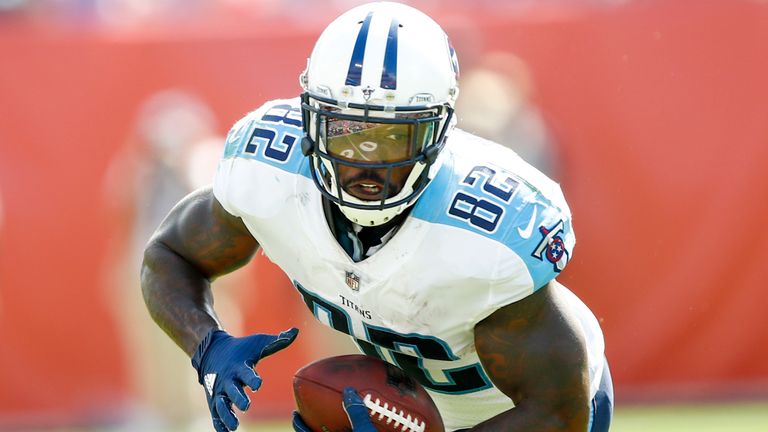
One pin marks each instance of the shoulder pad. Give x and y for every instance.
(271, 134)
(267, 138)
(495, 194)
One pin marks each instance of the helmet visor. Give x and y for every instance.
(376, 143)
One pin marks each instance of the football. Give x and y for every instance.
(395, 401)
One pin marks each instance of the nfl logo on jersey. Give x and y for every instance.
(353, 281)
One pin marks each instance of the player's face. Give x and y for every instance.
(368, 184)
(374, 143)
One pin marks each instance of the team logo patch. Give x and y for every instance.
(367, 92)
(552, 247)
(353, 281)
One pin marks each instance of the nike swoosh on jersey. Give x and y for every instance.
(526, 233)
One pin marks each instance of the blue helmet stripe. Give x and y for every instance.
(389, 74)
(454, 60)
(356, 64)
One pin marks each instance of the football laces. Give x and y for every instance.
(406, 422)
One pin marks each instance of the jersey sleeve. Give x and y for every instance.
(541, 234)
(536, 243)
(232, 147)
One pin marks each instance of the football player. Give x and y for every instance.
(434, 249)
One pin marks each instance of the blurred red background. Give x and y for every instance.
(661, 124)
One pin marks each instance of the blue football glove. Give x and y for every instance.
(224, 366)
(355, 409)
(298, 423)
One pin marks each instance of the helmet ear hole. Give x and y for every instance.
(430, 154)
(307, 146)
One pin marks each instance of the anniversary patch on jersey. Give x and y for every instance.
(552, 247)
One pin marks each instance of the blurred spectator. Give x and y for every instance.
(174, 151)
(174, 130)
(496, 103)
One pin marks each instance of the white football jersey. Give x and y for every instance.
(488, 231)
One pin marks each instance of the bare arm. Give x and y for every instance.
(534, 352)
(197, 242)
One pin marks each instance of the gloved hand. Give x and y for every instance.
(355, 409)
(298, 423)
(224, 365)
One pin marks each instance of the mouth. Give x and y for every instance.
(366, 190)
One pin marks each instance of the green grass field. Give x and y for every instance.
(730, 417)
(735, 417)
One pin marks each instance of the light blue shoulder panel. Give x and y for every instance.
(272, 135)
(493, 202)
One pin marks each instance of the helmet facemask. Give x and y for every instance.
(370, 160)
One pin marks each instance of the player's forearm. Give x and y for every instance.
(178, 296)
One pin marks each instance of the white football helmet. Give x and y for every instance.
(379, 91)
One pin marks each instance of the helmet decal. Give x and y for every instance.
(389, 74)
(358, 53)
(454, 59)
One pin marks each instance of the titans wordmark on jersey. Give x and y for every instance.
(488, 231)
